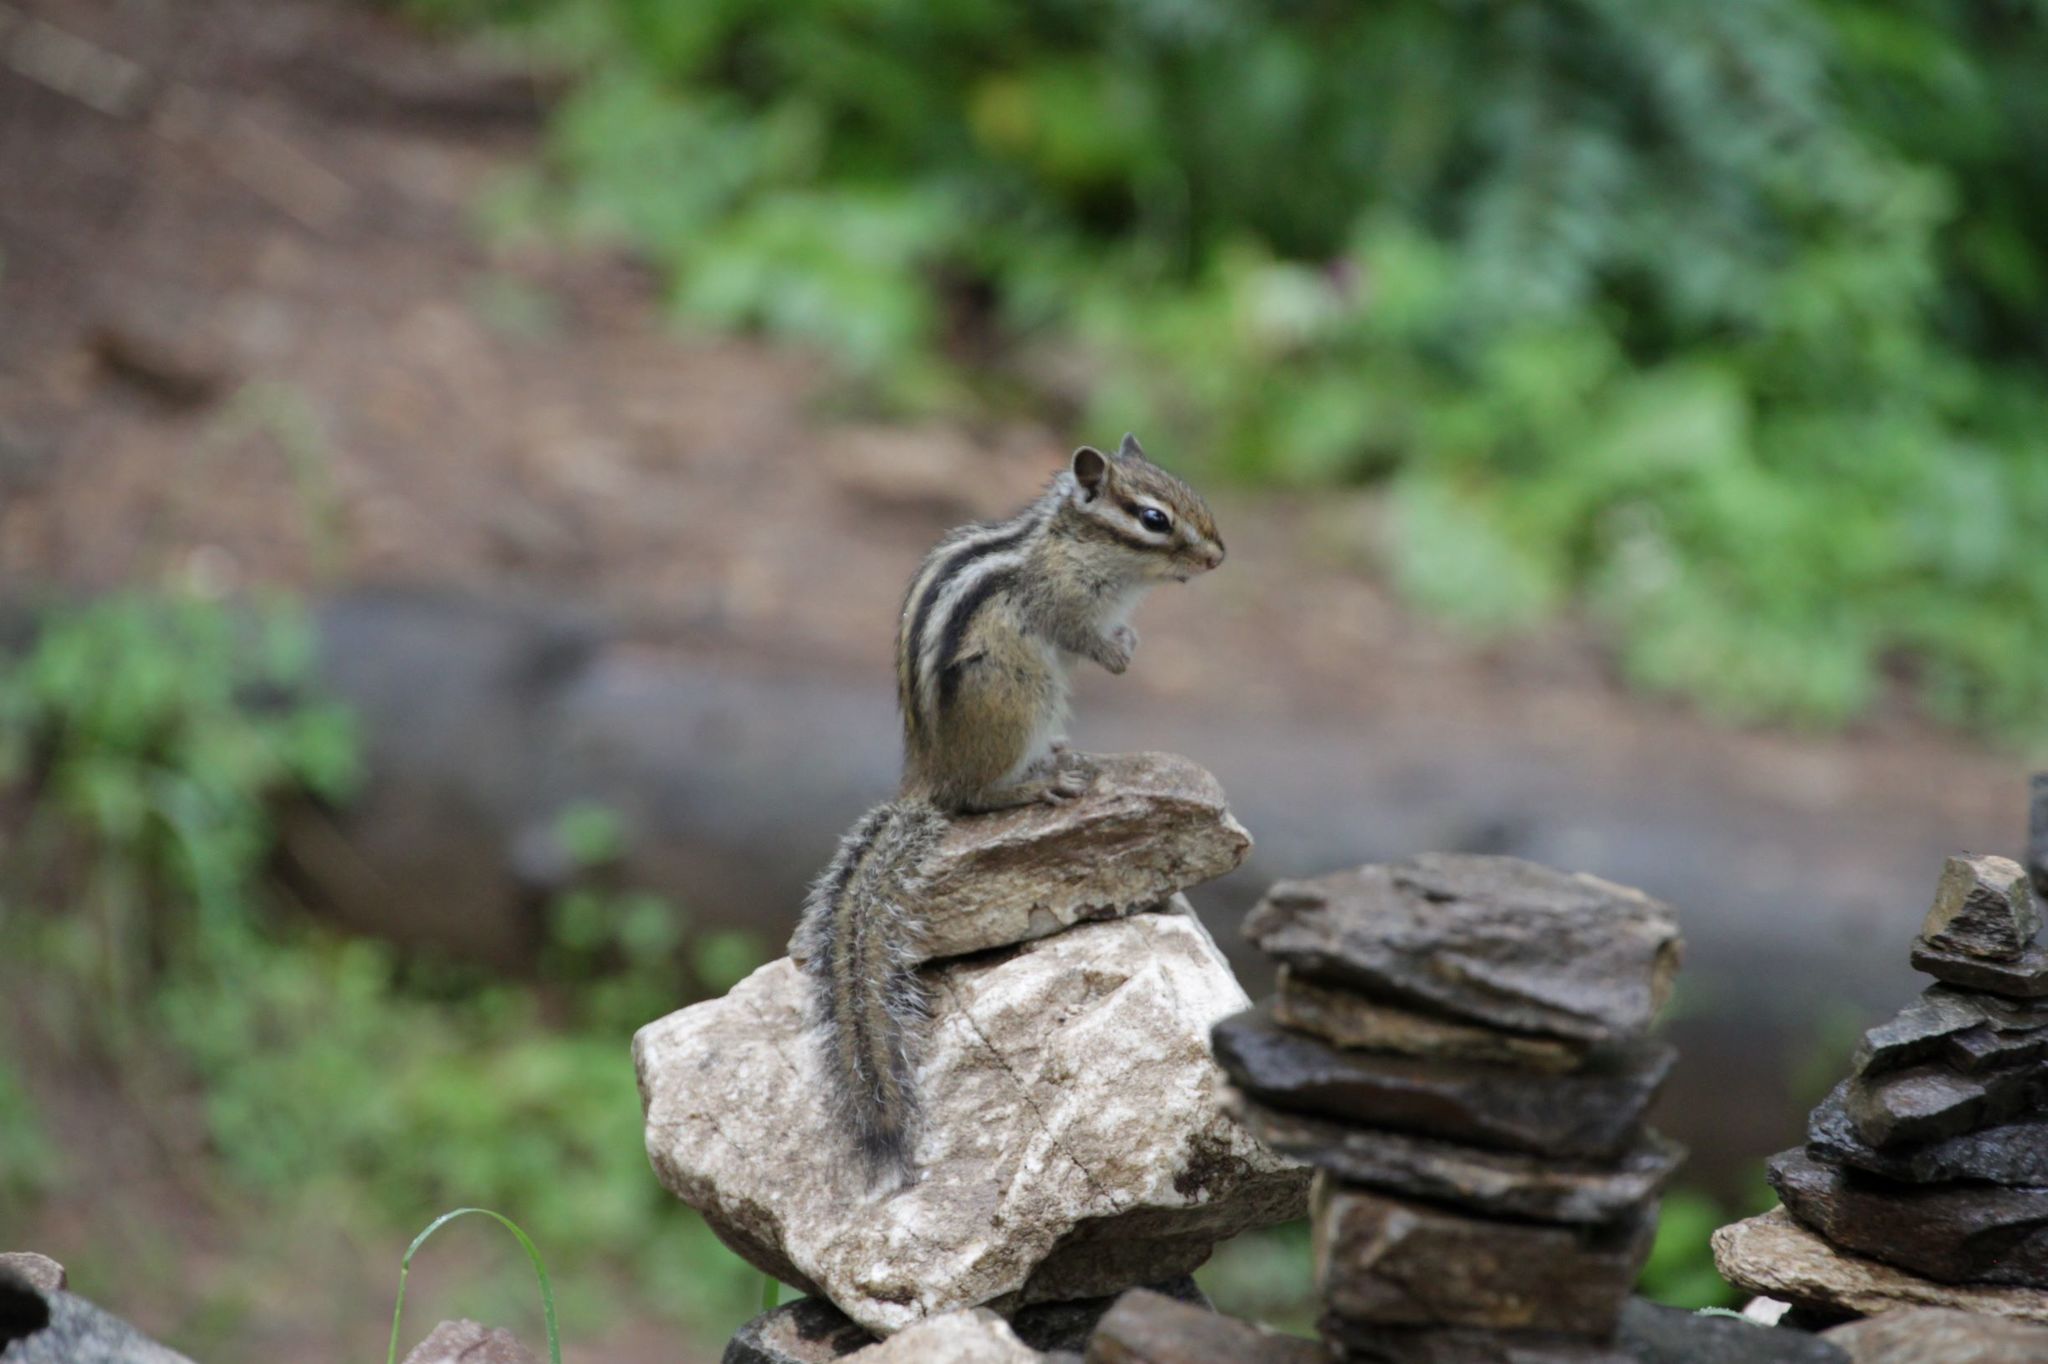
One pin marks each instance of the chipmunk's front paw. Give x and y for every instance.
(1119, 645)
(1065, 786)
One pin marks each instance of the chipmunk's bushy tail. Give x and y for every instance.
(860, 938)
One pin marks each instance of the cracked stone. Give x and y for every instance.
(1149, 825)
(1939, 1335)
(1346, 1019)
(1400, 1263)
(1957, 1232)
(2023, 977)
(1593, 1112)
(1774, 1256)
(1497, 940)
(1983, 907)
(1073, 1144)
(2009, 1153)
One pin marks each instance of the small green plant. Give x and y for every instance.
(144, 745)
(540, 1272)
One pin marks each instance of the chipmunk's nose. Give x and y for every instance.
(1212, 554)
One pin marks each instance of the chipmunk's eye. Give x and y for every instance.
(1155, 520)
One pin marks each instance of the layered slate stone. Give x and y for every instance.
(1149, 825)
(2009, 1153)
(1651, 1333)
(1965, 1232)
(1073, 1144)
(1775, 1256)
(1496, 940)
(2023, 977)
(1372, 1343)
(1983, 907)
(1592, 1113)
(1349, 1020)
(1930, 1102)
(1501, 1183)
(1398, 1262)
(1964, 1031)
(1149, 1328)
(1940, 1335)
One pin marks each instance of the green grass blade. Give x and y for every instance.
(540, 1272)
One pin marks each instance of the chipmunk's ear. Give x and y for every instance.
(1130, 447)
(1091, 471)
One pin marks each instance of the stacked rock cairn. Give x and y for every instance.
(1073, 1145)
(1459, 1044)
(1924, 1178)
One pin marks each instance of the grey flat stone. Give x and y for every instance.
(1148, 1328)
(1344, 1018)
(1501, 1183)
(1959, 1028)
(1775, 1256)
(1964, 1232)
(1148, 826)
(2013, 1152)
(1940, 1335)
(1402, 1263)
(1495, 940)
(1374, 1343)
(1654, 1334)
(1592, 1113)
(2024, 977)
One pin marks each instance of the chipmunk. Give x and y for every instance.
(989, 624)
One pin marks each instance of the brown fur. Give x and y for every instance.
(989, 623)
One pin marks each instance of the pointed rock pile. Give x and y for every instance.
(1073, 1144)
(1459, 1043)
(1924, 1178)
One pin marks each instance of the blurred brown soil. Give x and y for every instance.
(252, 334)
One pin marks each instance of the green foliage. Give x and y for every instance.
(1680, 1271)
(28, 1163)
(146, 743)
(1724, 321)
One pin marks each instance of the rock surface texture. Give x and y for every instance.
(41, 1272)
(1774, 1255)
(43, 1325)
(813, 1331)
(1149, 825)
(1460, 1045)
(1924, 1179)
(1939, 1335)
(1491, 940)
(469, 1342)
(1073, 1142)
(1150, 1328)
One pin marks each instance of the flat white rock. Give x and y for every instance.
(1073, 1143)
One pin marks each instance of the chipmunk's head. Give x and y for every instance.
(1127, 501)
